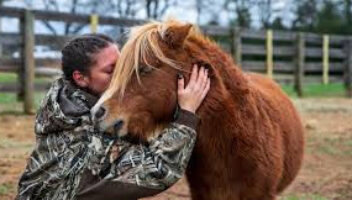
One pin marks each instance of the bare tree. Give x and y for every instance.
(348, 12)
(265, 12)
(241, 8)
(72, 7)
(155, 9)
(125, 8)
(2, 1)
(199, 8)
(208, 7)
(306, 12)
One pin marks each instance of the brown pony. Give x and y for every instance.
(250, 139)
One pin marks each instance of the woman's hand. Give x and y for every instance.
(192, 96)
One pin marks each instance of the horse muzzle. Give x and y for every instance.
(102, 123)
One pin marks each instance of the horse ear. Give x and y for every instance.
(175, 35)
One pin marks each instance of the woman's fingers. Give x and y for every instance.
(204, 79)
(197, 81)
(206, 89)
(181, 83)
(194, 75)
(201, 82)
(191, 96)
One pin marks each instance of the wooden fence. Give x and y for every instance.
(287, 57)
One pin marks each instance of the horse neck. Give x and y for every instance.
(228, 80)
(229, 86)
(222, 63)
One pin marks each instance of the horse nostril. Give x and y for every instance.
(100, 113)
(118, 125)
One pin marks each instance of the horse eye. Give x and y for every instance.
(145, 69)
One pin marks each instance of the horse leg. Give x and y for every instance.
(214, 195)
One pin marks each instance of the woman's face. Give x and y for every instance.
(101, 71)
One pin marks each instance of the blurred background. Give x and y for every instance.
(320, 16)
(304, 45)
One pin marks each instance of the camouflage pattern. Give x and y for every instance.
(67, 145)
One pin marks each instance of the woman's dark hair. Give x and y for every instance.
(78, 53)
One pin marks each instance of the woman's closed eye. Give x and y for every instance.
(110, 69)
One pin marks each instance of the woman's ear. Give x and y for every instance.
(80, 79)
(175, 33)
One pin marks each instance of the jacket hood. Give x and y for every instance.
(65, 107)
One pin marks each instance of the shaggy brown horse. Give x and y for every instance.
(250, 139)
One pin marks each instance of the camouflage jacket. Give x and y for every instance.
(72, 161)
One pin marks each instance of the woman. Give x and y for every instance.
(73, 161)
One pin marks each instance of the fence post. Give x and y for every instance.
(94, 21)
(300, 61)
(237, 46)
(348, 67)
(325, 59)
(27, 68)
(269, 53)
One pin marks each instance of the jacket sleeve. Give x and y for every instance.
(149, 169)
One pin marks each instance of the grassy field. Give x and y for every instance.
(318, 90)
(9, 100)
(12, 78)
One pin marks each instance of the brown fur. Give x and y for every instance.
(250, 140)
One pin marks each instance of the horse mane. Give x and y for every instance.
(144, 42)
(229, 73)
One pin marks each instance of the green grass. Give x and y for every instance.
(310, 90)
(318, 90)
(6, 143)
(8, 100)
(13, 78)
(289, 90)
(6, 188)
(8, 77)
(304, 197)
(333, 146)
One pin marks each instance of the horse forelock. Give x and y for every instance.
(143, 42)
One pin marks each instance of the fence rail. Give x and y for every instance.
(282, 55)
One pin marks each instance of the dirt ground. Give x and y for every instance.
(326, 172)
